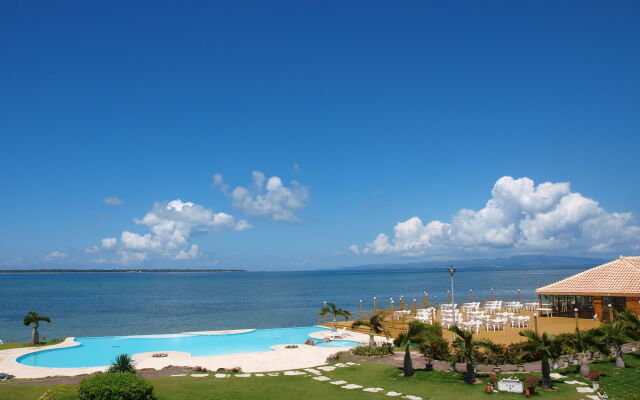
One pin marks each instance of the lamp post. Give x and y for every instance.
(452, 271)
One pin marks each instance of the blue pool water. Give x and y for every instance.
(100, 351)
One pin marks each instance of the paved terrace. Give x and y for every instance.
(550, 325)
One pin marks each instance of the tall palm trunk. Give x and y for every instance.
(470, 377)
(546, 372)
(408, 364)
(584, 367)
(35, 336)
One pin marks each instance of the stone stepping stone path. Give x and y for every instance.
(242, 375)
(179, 375)
(221, 375)
(592, 397)
(338, 382)
(372, 390)
(199, 375)
(274, 374)
(258, 374)
(585, 390)
(351, 364)
(351, 386)
(326, 368)
(340, 365)
(575, 383)
(412, 397)
(313, 371)
(393, 394)
(322, 378)
(294, 373)
(556, 375)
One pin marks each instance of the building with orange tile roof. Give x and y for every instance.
(615, 284)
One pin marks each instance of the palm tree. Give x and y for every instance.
(584, 342)
(35, 319)
(545, 345)
(415, 334)
(376, 327)
(632, 321)
(330, 308)
(122, 363)
(615, 334)
(468, 346)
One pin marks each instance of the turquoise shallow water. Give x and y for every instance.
(99, 351)
(89, 305)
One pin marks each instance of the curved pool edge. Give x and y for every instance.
(278, 358)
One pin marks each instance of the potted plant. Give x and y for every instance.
(595, 379)
(530, 383)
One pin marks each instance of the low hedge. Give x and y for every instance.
(370, 351)
(115, 386)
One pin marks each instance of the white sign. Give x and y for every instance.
(510, 385)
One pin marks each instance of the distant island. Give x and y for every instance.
(129, 271)
(513, 261)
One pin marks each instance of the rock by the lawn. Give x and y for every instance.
(322, 378)
(338, 382)
(585, 390)
(412, 397)
(294, 373)
(351, 386)
(351, 363)
(340, 365)
(258, 374)
(394, 394)
(242, 375)
(274, 374)
(575, 383)
(199, 375)
(372, 390)
(221, 375)
(556, 375)
(326, 368)
(179, 375)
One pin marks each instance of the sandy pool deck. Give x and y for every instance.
(278, 359)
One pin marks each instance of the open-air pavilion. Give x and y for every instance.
(614, 285)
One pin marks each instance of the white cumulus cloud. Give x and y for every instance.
(113, 201)
(171, 227)
(267, 198)
(54, 255)
(520, 217)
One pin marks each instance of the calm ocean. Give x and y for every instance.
(92, 304)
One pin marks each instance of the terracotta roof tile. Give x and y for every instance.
(621, 276)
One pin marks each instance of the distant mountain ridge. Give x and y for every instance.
(513, 261)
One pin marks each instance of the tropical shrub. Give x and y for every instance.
(115, 386)
(369, 351)
(122, 363)
(530, 382)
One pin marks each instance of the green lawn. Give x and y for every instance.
(433, 385)
(16, 345)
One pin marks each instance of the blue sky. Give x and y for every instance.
(379, 111)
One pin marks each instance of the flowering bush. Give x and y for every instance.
(530, 382)
(595, 375)
(493, 378)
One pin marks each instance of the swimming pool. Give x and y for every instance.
(101, 351)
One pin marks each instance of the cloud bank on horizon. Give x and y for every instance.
(520, 217)
(172, 224)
